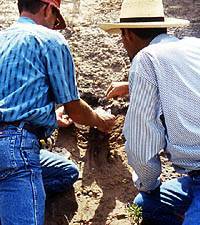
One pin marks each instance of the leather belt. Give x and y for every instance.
(15, 123)
(194, 173)
(30, 128)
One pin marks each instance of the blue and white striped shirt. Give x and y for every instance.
(164, 80)
(36, 71)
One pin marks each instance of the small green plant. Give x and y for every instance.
(134, 213)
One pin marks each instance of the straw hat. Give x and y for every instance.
(142, 14)
(60, 23)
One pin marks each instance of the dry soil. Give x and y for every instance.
(104, 187)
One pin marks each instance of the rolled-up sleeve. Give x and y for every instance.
(143, 130)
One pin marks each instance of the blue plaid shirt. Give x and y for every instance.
(36, 71)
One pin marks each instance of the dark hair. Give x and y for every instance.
(147, 33)
(32, 6)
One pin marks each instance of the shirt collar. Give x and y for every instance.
(163, 38)
(24, 19)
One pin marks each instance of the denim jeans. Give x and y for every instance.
(175, 202)
(22, 193)
(58, 173)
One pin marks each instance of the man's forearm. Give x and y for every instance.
(81, 113)
(145, 175)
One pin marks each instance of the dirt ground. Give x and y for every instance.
(104, 187)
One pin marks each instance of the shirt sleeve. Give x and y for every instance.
(61, 72)
(143, 130)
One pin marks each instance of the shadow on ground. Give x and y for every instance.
(60, 208)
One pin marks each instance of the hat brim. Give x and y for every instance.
(168, 22)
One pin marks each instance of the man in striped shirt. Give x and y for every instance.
(36, 71)
(164, 89)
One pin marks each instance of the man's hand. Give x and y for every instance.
(62, 119)
(106, 120)
(117, 89)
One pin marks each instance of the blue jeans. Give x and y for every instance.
(175, 202)
(22, 192)
(58, 173)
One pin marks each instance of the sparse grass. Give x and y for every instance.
(134, 213)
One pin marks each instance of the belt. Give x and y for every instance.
(15, 123)
(194, 173)
(30, 128)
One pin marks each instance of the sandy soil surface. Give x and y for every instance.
(104, 187)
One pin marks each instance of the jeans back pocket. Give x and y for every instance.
(30, 151)
(7, 155)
